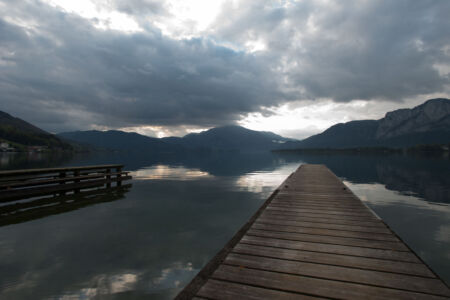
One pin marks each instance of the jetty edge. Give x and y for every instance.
(22, 184)
(314, 239)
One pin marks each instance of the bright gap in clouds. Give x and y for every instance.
(102, 17)
(302, 119)
(162, 131)
(187, 19)
(184, 19)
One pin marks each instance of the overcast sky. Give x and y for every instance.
(171, 67)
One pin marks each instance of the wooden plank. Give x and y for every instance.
(347, 204)
(330, 194)
(309, 218)
(319, 202)
(216, 289)
(56, 180)
(344, 241)
(339, 256)
(331, 217)
(268, 220)
(289, 232)
(301, 205)
(369, 277)
(319, 195)
(314, 237)
(350, 214)
(313, 286)
(55, 170)
(329, 199)
(249, 247)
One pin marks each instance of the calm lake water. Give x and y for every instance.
(150, 240)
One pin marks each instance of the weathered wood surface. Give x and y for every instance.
(20, 184)
(56, 170)
(314, 239)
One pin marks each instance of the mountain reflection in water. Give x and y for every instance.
(423, 176)
(149, 241)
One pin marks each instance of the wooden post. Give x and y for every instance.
(108, 177)
(119, 181)
(62, 175)
(76, 173)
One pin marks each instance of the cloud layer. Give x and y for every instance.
(254, 55)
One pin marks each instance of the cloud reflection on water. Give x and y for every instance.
(181, 211)
(103, 285)
(264, 181)
(165, 172)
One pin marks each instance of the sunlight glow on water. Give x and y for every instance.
(163, 172)
(258, 182)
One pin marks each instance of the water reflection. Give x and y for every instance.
(22, 211)
(163, 233)
(163, 172)
(263, 181)
(182, 210)
(423, 225)
(424, 176)
(25, 160)
(104, 285)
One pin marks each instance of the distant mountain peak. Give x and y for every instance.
(428, 123)
(418, 119)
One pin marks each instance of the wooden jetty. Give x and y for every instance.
(20, 184)
(314, 239)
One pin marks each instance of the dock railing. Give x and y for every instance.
(20, 184)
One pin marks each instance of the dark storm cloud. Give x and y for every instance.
(76, 76)
(349, 50)
(65, 65)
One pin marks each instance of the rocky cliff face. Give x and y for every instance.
(428, 123)
(432, 115)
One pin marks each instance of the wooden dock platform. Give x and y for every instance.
(22, 184)
(314, 239)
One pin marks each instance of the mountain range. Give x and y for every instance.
(219, 138)
(428, 123)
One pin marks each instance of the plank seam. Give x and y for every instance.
(347, 237)
(328, 243)
(272, 288)
(334, 265)
(268, 223)
(317, 222)
(340, 254)
(335, 280)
